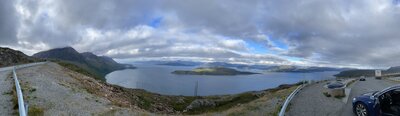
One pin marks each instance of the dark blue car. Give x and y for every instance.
(378, 103)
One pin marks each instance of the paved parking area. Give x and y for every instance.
(311, 102)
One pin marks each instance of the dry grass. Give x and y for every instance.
(269, 104)
(35, 111)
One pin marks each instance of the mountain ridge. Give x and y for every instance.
(98, 65)
(10, 57)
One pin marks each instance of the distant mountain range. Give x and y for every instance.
(10, 57)
(367, 72)
(97, 65)
(300, 69)
(179, 63)
(212, 71)
(237, 66)
(267, 68)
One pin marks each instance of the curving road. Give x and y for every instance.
(311, 102)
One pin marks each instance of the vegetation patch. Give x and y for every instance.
(326, 94)
(35, 111)
(78, 69)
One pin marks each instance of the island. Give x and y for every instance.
(212, 71)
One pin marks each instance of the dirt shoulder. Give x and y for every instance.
(6, 84)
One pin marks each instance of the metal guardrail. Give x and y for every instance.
(22, 107)
(288, 99)
(23, 110)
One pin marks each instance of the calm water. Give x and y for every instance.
(158, 79)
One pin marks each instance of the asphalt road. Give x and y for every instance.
(311, 102)
(360, 87)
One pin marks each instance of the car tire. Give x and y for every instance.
(361, 109)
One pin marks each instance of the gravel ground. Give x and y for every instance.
(6, 105)
(49, 88)
(311, 102)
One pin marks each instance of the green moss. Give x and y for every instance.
(145, 102)
(35, 111)
(181, 105)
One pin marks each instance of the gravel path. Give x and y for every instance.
(52, 90)
(6, 105)
(311, 102)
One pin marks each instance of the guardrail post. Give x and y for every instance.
(26, 109)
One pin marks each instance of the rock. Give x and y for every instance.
(12, 57)
(181, 100)
(201, 103)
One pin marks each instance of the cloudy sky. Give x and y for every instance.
(352, 33)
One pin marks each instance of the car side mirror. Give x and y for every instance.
(376, 101)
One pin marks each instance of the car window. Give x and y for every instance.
(396, 92)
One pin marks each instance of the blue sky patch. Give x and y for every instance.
(256, 47)
(278, 43)
(156, 22)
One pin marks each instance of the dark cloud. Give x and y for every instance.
(328, 32)
(8, 22)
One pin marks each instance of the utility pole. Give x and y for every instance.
(196, 88)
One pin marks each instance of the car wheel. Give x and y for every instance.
(361, 110)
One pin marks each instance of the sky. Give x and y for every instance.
(338, 33)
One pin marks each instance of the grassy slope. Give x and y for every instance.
(77, 68)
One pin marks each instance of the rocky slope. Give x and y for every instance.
(52, 90)
(97, 65)
(10, 57)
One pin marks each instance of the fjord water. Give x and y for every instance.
(158, 79)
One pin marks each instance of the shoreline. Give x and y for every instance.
(175, 104)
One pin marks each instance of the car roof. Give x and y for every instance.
(389, 89)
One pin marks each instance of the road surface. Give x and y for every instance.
(311, 102)
(371, 84)
(6, 83)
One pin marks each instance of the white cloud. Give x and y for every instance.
(319, 32)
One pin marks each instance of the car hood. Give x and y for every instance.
(367, 95)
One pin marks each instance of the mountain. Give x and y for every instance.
(356, 73)
(289, 68)
(395, 69)
(238, 66)
(97, 65)
(212, 71)
(10, 57)
(180, 63)
(368, 72)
